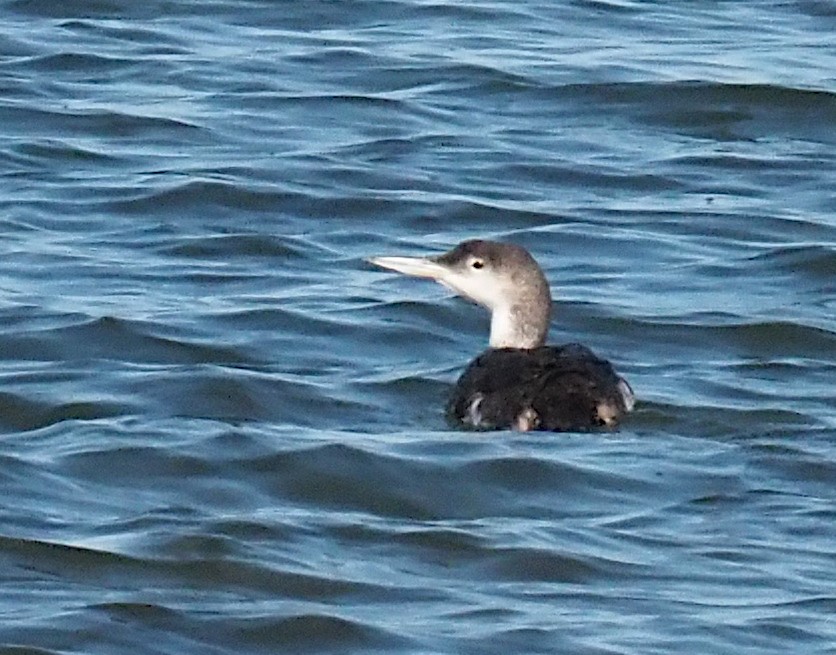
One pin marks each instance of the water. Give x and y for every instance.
(222, 432)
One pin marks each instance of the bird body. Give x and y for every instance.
(555, 388)
(519, 382)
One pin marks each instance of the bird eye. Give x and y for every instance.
(477, 263)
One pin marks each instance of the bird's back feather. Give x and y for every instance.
(557, 388)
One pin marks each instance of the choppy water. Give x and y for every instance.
(222, 432)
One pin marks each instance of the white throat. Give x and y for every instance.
(509, 329)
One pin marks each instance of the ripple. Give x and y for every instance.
(816, 260)
(196, 193)
(115, 339)
(52, 150)
(315, 631)
(60, 123)
(729, 110)
(246, 245)
(776, 339)
(20, 413)
(77, 62)
(539, 565)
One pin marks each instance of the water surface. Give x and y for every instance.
(222, 432)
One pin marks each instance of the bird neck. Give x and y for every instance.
(521, 325)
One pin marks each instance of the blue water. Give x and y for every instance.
(222, 432)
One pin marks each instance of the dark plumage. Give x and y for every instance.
(518, 382)
(555, 388)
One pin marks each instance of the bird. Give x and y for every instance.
(519, 382)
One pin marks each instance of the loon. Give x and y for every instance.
(519, 382)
